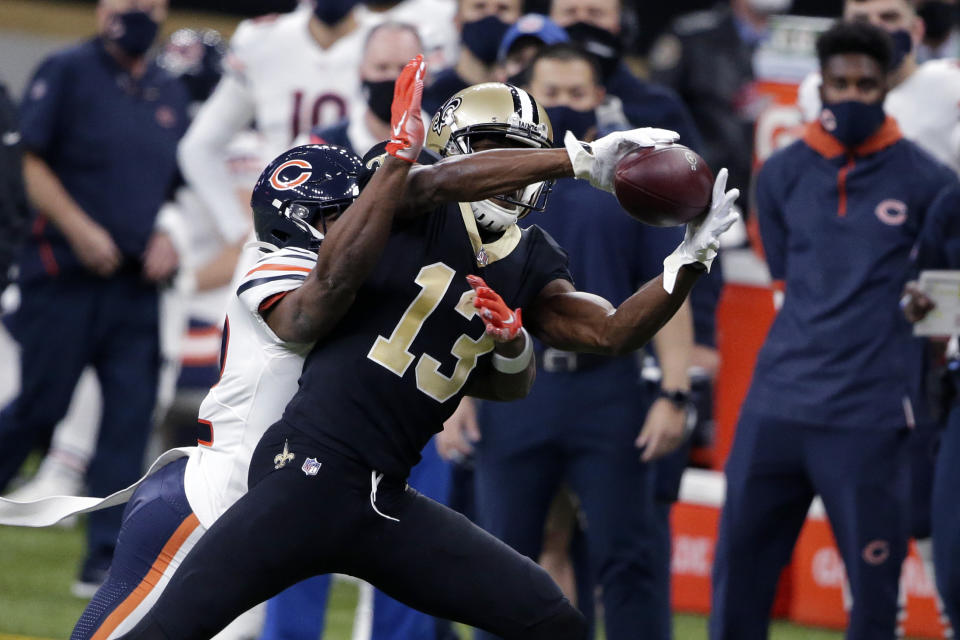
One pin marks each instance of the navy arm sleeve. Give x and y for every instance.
(40, 110)
(939, 243)
(773, 229)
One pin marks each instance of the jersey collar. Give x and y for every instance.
(485, 254)
(817, 138)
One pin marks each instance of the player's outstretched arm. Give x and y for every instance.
(510, 373)
(485, 174)
(353, 246)
(567, 319)
(482, 175)
(564, 318)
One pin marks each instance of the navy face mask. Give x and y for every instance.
(330, 12)
(564, 118)
(133, 32)
(605, 45)
(902, 45)
(379, 97)
(852, 122)
(482, 37)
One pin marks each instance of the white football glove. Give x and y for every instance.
(597, 161)
(702, 239)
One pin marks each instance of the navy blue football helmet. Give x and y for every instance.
(301, 188)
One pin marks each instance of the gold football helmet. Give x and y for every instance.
(502, 112)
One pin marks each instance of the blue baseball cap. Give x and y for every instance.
(535, 25)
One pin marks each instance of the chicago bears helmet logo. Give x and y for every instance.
(876, 552)
(296, 180)
(444, 117)
(892, 212)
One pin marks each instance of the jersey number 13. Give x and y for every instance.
(394, 352)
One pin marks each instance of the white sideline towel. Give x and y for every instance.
(47, 511)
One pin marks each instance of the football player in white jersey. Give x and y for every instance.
(172, 509)
(924, 98)
(284, 73)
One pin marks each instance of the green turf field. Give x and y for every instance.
(38, 565)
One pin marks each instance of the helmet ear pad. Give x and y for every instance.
(300, 191)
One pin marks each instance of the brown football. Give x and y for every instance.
(664, 186)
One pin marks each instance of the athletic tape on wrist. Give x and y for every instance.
(517, 363)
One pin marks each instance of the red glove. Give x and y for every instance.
(405, 121)
(502, 324)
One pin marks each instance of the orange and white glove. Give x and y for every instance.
(503, 325)
(406, 125)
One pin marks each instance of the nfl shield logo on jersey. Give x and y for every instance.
(311, 467)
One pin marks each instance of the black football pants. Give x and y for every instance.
(292, 525)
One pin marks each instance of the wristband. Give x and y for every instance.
(680, 398)
(518, 363)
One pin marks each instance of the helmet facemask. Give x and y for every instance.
(498, 213)
(500, 116)
(313, 216)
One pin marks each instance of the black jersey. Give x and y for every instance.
(395, 367)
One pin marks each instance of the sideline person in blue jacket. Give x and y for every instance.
(836, 386)
(100, 126)
(939, 248)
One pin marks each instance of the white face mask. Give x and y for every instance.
(770, 6)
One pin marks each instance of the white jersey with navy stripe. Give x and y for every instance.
(259, 376)
(293, 83)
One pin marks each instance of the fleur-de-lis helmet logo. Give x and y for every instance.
(444, 117)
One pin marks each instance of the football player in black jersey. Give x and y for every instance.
(327, 491)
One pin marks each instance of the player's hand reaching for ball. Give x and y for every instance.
(702, 239)
(502, 324)
(597, 161)
(406, 125)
